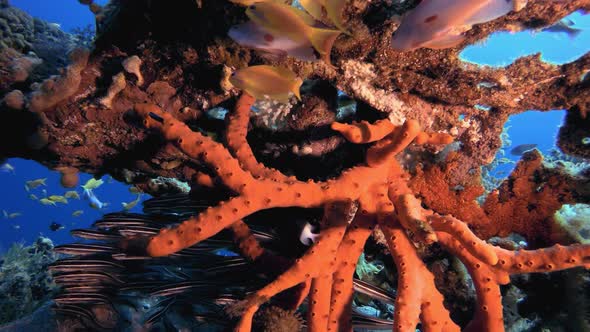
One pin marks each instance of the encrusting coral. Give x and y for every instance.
(524, 203)
(380, 189)
(56, 89)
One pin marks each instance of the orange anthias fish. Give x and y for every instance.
(260, 81)
(277, 46)
(333, 9)
(440, 24)
(283, 20)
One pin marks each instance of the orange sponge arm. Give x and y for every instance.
(246, 242)
(554, 258)
(319, 303)
(487, 277)
(488, 312)
(416, 289)
(393, 144)
(206, 224)
(196, 145)
(461, 232)
(342, 288)
(364, 132)
(413, 217)
(237, 130)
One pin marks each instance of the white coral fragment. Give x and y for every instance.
(117, 86)
(132, 65)
(361, 77)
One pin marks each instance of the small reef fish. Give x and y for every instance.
(33, 197)
(95, 203)
(77, 213)
(173, 163)
(132, 204)
(307, 236)
(440, 24)
(273, 46)
(35, 183)
(314, 8)
(519, 150)
(11, 215)
(564, 26)
(58, 199)
(333, 9)
(7, 168)
(55, 226)
(505, 161)
(264, 80)
(46, 201)
(283, 20)
(72, 194)
(92, 184)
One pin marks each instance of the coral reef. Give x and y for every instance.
(375, 194)
(26, 283)
(24, 41)
(403, 168)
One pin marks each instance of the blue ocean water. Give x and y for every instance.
(36, 218)
(502, 48)
(68, 14)
(531, 127)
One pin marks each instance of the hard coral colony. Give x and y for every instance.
(139, 106)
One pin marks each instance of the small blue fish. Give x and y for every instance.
(55, 226)
(7, 168)
(564, 26)
(95, 203)
(519, 150)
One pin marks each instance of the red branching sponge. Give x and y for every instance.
(375, 194)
